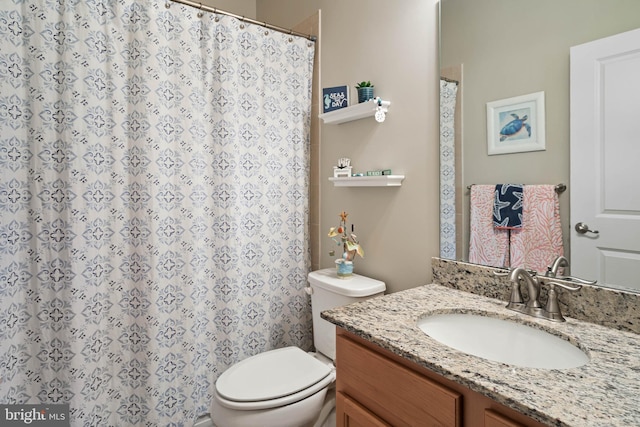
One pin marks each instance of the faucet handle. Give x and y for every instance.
(553, 307)
(571, 279)
(516, 296)
(567, 282)
(562, 283)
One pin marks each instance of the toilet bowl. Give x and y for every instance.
(288, 387)
(279, 388)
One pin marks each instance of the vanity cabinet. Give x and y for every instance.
(376, 388)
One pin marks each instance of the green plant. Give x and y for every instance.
(364, 84)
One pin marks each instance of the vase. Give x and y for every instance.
(365, 94)
(344, 268)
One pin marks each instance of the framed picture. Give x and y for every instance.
(334, 98)
(516, 125)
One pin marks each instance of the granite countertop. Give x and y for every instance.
(604, 392)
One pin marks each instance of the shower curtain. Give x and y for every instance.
(448, 91)
(153, 201)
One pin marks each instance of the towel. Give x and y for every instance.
(487, 245)
(507, 208)
(539, 241)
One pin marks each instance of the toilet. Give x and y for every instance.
(289, 387)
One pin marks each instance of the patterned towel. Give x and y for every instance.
(539, 241)
(487, 244)
(507, 207)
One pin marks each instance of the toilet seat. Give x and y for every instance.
(272, 379)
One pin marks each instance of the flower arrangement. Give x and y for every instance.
(350, 246)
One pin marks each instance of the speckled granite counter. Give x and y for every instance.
(613, 308)
(604, 392)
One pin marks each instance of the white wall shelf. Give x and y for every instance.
(354, 112)
(368, 181)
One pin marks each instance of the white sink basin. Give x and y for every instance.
(503, 341)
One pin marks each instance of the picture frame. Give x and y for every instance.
(334, 98)
(516, 125)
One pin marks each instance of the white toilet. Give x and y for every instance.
(289, 387)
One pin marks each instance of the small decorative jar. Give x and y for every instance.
(365, 94)
(344, 268)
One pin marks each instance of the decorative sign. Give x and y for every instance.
(334, 98)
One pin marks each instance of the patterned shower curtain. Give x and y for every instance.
(153, 202)
(448, 91)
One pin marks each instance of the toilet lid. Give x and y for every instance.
(271, 375)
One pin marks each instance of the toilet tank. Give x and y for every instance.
(330, 291)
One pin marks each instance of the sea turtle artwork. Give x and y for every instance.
(514, 127)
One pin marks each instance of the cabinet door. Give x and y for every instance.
(350, 414)
(393, 392)
(494, 419)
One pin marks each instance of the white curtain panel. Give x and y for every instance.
(448, 91)
(153, 201)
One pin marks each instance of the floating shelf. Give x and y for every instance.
(368, 181)
(354, 112)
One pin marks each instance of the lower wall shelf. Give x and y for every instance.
(368, 181)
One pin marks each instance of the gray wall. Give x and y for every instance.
(395, 46)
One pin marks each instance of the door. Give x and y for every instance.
(605, 160)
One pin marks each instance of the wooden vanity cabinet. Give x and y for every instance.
(376, 388)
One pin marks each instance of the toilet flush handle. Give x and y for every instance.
(308, 290)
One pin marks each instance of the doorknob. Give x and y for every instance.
(583, 228)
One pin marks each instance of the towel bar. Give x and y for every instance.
(559, 188)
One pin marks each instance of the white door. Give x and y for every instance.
(605, 160)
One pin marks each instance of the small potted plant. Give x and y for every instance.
(349, 245)
(365, 91)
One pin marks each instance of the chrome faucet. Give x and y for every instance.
(551, 311)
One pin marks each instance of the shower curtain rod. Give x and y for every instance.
(446, 79)
(559, 188)
(201, 6)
